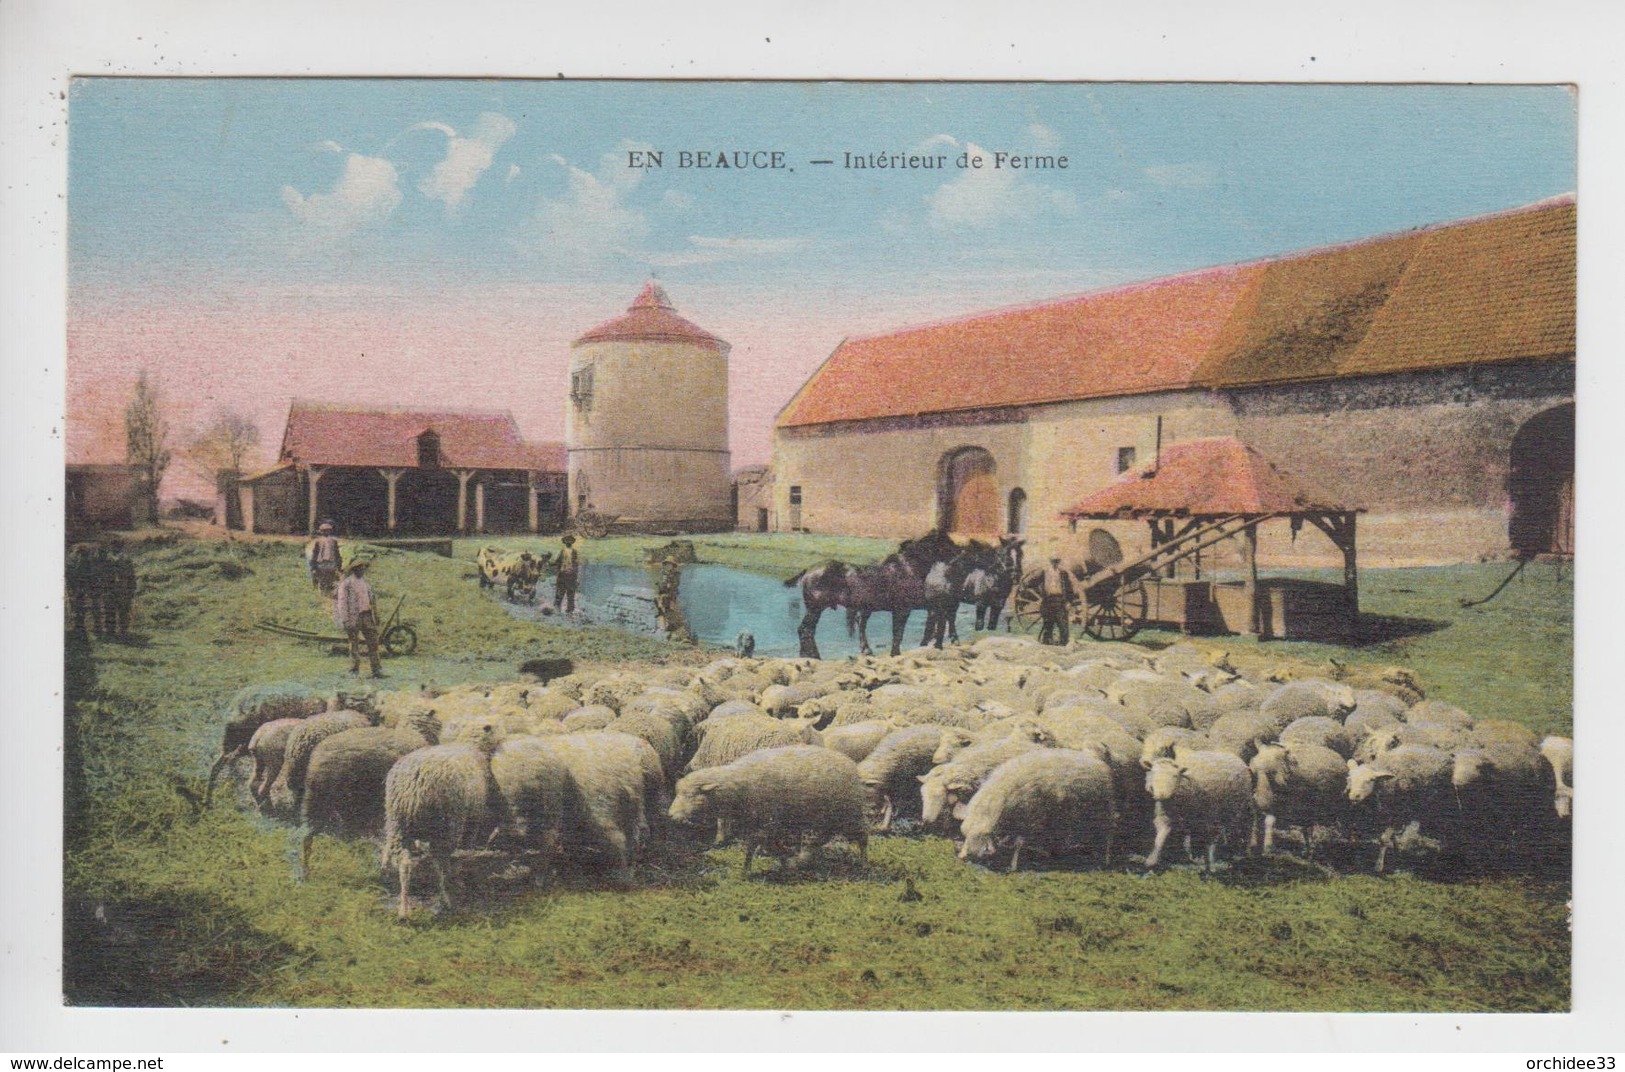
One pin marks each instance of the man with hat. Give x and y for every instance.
(564, 585)
(1056, 595)
(668, 613)
(323, 560)
(353, 612)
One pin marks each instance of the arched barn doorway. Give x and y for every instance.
(1016, 519)
(1540, 484)
(967, 493)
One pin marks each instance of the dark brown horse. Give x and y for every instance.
(896, 585)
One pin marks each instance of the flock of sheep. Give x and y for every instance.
(1012, 747)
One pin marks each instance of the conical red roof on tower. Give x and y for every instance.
(651, 318)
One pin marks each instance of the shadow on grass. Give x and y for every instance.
(1377, 629)
(164, 949)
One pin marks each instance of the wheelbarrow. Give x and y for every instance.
(396, 638)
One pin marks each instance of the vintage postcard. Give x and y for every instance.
(556, 544)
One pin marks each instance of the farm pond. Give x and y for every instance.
(720, 602)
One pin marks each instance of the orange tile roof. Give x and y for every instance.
(651, 317)
(1203, 477)
(335, 435)
(1491, 289)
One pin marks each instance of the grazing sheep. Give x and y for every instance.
(946, 788)
(1298, 784)
(1232, 698)
(250, 709)
(437, 800)
(727, 739)
(891, 770)
(615, 785)
(1055, 800)
(779, 799)
(1437, 711)
(731, 708)
(1431, 734)
(588, 718)
(954, 741)
(1371, 700)
(1500, 788)
(1317, 729)
(344, 781)
(1409, 783)
(661, 734)
(1559, 753)
(1204, 794)
(858, 740)
(532, 786)
(1367, 719)
(302, 743)
(1302, 699)
(269, 748)
(1241, 733)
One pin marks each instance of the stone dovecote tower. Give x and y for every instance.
(646, 420)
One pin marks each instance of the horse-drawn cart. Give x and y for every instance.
(1199, 494)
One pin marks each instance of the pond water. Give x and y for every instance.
(719, 603)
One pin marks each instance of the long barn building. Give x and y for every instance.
(1425, 377)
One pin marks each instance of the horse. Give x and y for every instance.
(895, 584)
(981, 575)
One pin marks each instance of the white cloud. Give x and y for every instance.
(513, 173)
(367, 192)
(704, 249)
(677, 199)
(328, 146)
(935, 142)
(591, 222)
(467, 158)
(1184, 176)
(985, 196)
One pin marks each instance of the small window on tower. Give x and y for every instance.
(1125, 459)
(581, 387)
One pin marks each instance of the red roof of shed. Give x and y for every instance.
(1201, 477)
(651, 317)
(336, 435)
(1490, 289)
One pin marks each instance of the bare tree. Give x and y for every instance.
(146, 436)
(226, 443)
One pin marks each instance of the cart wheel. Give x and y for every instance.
(400, 640)
(1025, 603)
(1116, 614)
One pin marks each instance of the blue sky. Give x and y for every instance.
(411, 183)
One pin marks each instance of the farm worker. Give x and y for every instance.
(1055, 598)
(85, 586)
(118, 594)
(564, 586)
(668, 614)
(353, 612)
(323, 560)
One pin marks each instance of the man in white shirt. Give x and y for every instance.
(353, 612)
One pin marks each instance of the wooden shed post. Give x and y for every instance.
(462, 498)
(479, 507)
(530, 502)
(391, 477)
(315, 475)
(1249, 553)
(1351, 573)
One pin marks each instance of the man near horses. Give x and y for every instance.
(668, 613)
(1056, 595)
(564, 585)
(353, 612)
(323, 560)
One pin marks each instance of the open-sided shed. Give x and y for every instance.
(1201, 492)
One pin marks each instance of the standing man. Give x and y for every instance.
(353, 612)
(323, 560)
(119, 589)
(668, 613)
(1056, 596)
(564, 586)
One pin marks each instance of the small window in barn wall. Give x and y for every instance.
(581, 387)
(1125, 459)
(795, 507)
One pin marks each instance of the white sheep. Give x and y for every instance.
(779, 799)
(302, 742)
(254, 706)
(1305, 698)
(436, 801)
(892, 769)
(859, 739)
(946, 788)
(1298, 784)
(1205, 794)
(1407, 784)
(1056, 800)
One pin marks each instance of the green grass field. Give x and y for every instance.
(201, 909)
